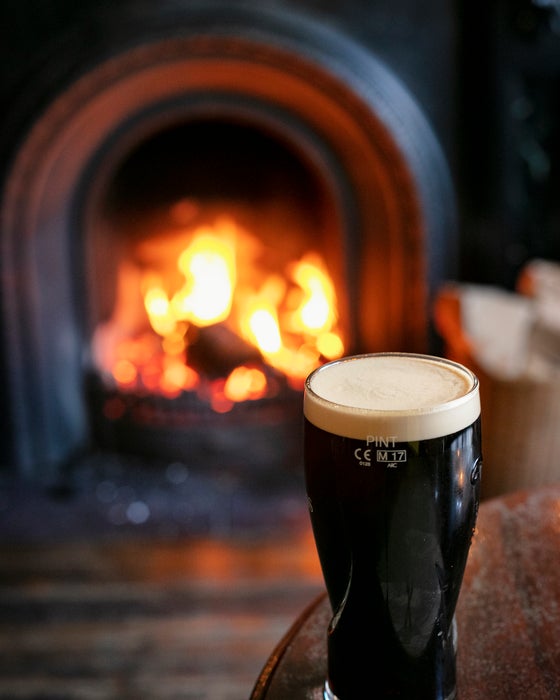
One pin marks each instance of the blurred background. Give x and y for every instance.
(200, 203)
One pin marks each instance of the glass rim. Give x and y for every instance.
(413, 423)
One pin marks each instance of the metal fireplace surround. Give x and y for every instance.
(357, 88)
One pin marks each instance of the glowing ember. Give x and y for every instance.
(245, 383)
(288, 318)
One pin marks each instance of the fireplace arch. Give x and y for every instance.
(332, 101)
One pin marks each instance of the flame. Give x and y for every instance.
(289, 316)
(208, 265)
(159, 310)
(261, 328)
(317, 312)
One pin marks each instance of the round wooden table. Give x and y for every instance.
(508, 613)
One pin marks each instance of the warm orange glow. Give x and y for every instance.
(263, 329)
(208, 265)
(159, 311)
(288, 314)
(330, 345)
(317, 312)
(174, 343)
(177, 377)
(245, 383)
(125, 372)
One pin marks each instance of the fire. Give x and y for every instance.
(245, 383)
(289, 318)
(317, 312)
(265, 331)
(208, 265)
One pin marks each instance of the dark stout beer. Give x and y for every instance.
(392, 454)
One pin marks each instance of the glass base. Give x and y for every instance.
(329, 695)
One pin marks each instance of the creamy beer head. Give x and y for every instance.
(405, 396)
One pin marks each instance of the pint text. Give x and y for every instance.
(381, 440)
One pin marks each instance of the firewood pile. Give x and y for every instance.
(511, 339)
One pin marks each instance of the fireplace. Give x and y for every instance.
(220, 295)
(233, 133)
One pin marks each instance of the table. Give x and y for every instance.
(508, 613)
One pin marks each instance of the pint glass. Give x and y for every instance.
(392, 468)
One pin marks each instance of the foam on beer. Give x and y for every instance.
(404, 396)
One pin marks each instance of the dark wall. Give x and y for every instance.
(487, 74)
(508, 136)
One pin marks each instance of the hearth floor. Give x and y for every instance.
(153, 584)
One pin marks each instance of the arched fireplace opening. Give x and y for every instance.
(161, 377)
(317, 131)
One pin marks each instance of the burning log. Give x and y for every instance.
(216, 350)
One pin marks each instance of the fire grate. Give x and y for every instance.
(259, 437)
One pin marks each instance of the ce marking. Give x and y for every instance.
(363, 456)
